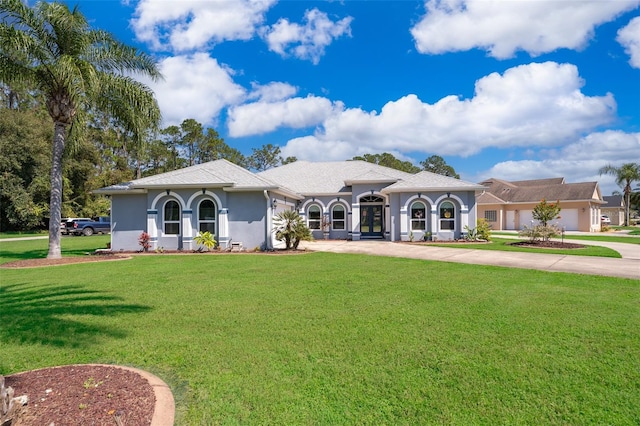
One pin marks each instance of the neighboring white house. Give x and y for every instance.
(348, 200)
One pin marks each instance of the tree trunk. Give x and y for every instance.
(55, 204)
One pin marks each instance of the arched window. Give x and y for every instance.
(418, 216)
(314, 216)
(447, 216)
(338, 215)
(207, 216)
(171, 217)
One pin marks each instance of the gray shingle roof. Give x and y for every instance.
(423, 181)
(318, 178)
(218, 173)
(614, 200)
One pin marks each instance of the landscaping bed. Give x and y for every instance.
(83, 395)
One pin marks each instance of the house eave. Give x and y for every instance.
(433, 189)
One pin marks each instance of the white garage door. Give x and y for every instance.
(568, 219)
(526, 218)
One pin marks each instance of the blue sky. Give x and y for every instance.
(513, 89)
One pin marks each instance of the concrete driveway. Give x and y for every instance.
(627, 267)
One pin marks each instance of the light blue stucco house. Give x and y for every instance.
(340, 200)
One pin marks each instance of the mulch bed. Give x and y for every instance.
(547, 244)
(81, 395)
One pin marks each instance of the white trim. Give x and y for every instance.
(164, 220)
(207, 192)
(171, 194)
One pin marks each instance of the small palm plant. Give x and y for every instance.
(206, 239)
(290, 228)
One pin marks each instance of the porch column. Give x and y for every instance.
(223, 228)
(152, 228)
(387, 222)
(404, 226)
(464, 220)
(187, 230)
(355, 221)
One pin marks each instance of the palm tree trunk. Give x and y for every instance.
(55, 204)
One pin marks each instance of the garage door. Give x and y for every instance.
(526, 218)
(568, 219)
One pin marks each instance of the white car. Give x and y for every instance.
(604, 220)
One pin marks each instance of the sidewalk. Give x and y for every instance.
(605, 266)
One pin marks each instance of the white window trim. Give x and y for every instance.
(343, 220)
(413, 220)
(318, 220)
(215, 215)
(165, 221)
(452, 219)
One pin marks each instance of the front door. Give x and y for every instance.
(371, 221)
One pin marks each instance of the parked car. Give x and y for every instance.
(90, 227)
(66, 225)
(604, 220)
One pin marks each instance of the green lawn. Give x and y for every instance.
(325, 338)
(595, 237)
(504, 244)
(23, 234)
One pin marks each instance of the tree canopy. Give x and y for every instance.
(625, 175)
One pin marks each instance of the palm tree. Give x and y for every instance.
(625, 176)
(52, 49)
(290, 228)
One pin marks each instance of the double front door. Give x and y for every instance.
(371, 221)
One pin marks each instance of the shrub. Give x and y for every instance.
(290, 228)
(540, 232)
(206, 239)
(546, 212)
(145, 241)
(482, 231)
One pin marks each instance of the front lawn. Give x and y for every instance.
(324, 338)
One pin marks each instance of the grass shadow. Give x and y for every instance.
(53, 315)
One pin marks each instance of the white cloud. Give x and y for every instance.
(504, 27)
(262, 117)
(537, 105)
(629, 38)
(577, 162)
(306, 41)
(195, 86)
(274, 91)
(190, 24)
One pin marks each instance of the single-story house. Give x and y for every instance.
(509, 205)
(614, 208)
(340, 200)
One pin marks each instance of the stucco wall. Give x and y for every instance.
(515, 216)
(128, 221)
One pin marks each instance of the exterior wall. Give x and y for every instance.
(128, 221)
(241, 217)
(464, 215)
(515, 216)
(326, 204)
(248, 215)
